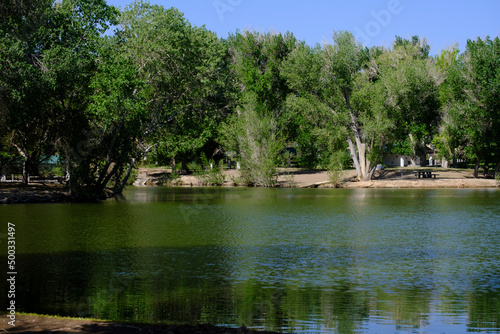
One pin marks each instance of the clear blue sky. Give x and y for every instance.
(375, 22)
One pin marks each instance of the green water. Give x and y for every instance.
(288, 260)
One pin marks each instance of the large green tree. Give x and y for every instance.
(47, 58)
(368, 99)
(446, 144)
(114, 120)
(410, 92)
(205, 100)
(26, 116)
(316, 127)
(336, 82)
(259, 129)
(158, 88)
(472, 110)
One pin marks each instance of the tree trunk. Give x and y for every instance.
(486, 168)
(104, 178)
(417, 148)
(354, 156)
(25, 156)
(33, 164)
(120, 188)
(363, 165)
(358, 153)
(184, 166)
(173, 165)
(109, 174)
(476, 169)
(25, 172)
(69, 178)
(497, 170)
(362, 157)
(423, 159)
(370, 173)
(69, 171)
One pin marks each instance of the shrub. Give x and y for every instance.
(210, 173)
(335, 171)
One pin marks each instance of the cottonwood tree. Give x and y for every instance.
(114, 120)
(447, 144)
(472, 110)
(258, 129)
(211, 89)
(410, 91)
(72, 62)
(155, 82)
(334, 81)
(368, 98)
(318, 133)
(25, 112)
(48, 53)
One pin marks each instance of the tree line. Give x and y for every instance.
(160, 88)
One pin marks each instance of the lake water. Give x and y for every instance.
(287, 260)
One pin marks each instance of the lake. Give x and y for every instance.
(286, 260)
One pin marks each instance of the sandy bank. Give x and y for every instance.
(446, 178)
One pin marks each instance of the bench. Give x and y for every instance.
(425, 174)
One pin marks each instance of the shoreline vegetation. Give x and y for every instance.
(92, 90)
(18, 193)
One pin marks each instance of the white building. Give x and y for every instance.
(396, 160)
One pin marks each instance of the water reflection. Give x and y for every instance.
(286, 260)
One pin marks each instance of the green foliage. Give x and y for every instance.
(257, 133)
(409, 91)
(209, 172)
(334, 91)
(419, 46)
(162, 88)
(472, 111)
(157, 89)
(258, 141)
(336, 169)
(257, 60)
(47, 57)
(185, 78)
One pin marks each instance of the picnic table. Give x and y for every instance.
(424, 174)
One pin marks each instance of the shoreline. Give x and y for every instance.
(35, 323)
(391, 179)
(16, 193)
(426, 184)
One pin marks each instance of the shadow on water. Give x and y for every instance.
(278, 260)
(195, 286)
